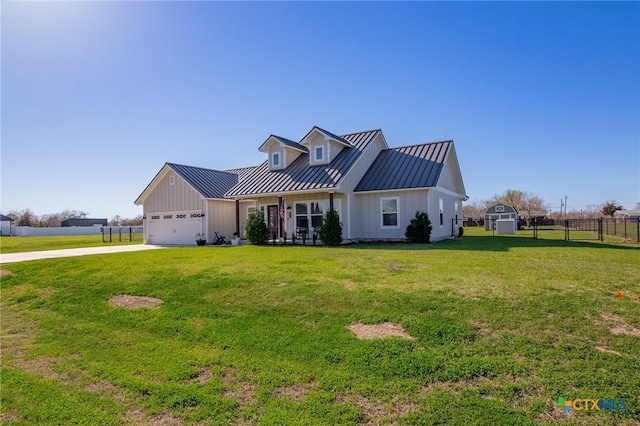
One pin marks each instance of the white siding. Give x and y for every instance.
(366, 159)
(368, 224)
(445, 231)
(221, 218)
(172, 198)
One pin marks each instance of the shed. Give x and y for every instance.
(500, 211)
(5, 225)
(81, 221)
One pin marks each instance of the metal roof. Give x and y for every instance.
(416, 166)
(209, 183)
(335, 137)
(287, 142)
(4, 218)
(300, 176)
(242, 172)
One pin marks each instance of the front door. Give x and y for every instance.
(272, 220)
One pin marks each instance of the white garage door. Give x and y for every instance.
(174, 228)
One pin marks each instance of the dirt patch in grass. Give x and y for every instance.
(619, 326)
(607, 351)
(5, 273)
(376, 411)
(242, 392)
(137, 417)
(293, 393)
(134, 302)
(379, 331)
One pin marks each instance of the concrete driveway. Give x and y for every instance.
(51, 254)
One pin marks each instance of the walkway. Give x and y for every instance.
(51, 254)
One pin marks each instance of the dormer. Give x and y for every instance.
(323, 146)
(282, 152)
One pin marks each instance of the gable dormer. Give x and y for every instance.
(323, 146)
(282, 152)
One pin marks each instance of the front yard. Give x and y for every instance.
(501, 328)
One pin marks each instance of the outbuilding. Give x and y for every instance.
(83, 221)
(5, 225)
(500, 211)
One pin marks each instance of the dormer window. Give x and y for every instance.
(275, 159)
(319, 153)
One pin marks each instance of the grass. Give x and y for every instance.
(25, 244)
(258, 335)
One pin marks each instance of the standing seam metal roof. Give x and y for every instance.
(416, 166)
(209, 183)
(300, 176)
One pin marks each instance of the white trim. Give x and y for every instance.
(448, 192)
(385, 191)
(348, 216)
(322, 151)
(382, 225)
(206, 220)
(284, 194)
(441, 211)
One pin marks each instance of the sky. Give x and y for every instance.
(97, 96)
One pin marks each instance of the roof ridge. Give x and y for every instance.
(198, 167)
(420, 144)
(363, 131)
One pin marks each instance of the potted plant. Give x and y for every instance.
(199, 240)
(236, 239)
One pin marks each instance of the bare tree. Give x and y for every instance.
(115, 221)
(474, 210)
(136, 221)
(527, 203)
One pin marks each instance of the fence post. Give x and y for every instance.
(566, 229)
(130, 233)
(600, 230)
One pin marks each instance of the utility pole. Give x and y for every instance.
(565, 207)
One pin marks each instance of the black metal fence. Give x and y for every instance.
(576, 229)
(589, 229)
(129, 232)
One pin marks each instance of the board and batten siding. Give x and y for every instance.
(439, 232)
(173, 198)
(364, 162)
(221, 218)
(368, 224)
(447, 180)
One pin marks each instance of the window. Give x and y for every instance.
(310, 214)
(275, 159)
(441, 209)
(319, 153)
(302, 221)
(456, 210)
(389, 208)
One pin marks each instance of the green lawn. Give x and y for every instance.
(502, 328)
(24, 244)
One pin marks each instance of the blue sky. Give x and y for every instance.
(96, 97)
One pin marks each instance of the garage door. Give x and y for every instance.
(174, 228)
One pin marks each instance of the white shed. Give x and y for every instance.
(6, 225)
(500, 211)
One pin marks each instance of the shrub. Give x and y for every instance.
(256, 229)
(331, 230)
(419, 229)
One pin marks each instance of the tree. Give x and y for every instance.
(609, 208)
(256, 229)
(527, 203)
(26, 218)
(474, 210)
(419, 229)
(331, 230)
(116, 220)
(136, 221)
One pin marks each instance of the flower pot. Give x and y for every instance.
(201, 242)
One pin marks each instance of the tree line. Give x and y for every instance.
(26, 217)
(530, 206)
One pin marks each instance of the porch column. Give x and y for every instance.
(281, 216)
(238, 216)
(331, 201)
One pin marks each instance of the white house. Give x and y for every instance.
(375, 189)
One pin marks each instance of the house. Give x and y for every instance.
(375, 189)
(5, 225)
(627, 214)
(81, 221)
